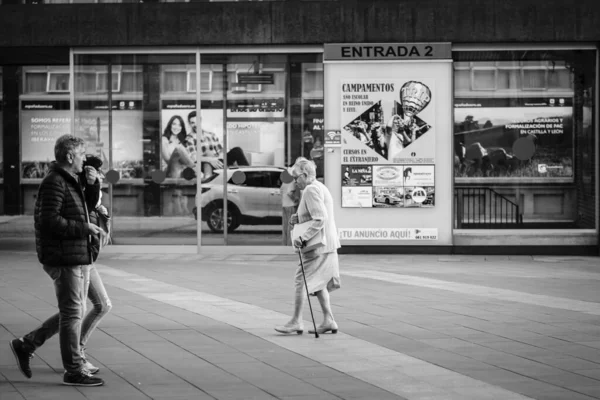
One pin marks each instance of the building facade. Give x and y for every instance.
(438, 127)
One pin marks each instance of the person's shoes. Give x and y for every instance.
(88, 365)
(91, 368)
(296, 328)
(82, 378)
(22, 356)
(333, 328)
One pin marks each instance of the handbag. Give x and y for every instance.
(105, 223)
(313, 243)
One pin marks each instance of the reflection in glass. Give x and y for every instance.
(259, 114)
(523, 139)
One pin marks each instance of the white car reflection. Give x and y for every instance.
(253, 198)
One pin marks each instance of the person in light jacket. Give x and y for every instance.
(321, 266)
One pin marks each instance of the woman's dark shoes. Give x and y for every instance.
(333, 328)
(296, 328)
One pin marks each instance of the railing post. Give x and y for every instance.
(459, 208)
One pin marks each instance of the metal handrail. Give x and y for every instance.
(484, 208)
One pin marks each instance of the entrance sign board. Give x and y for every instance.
(394, 122)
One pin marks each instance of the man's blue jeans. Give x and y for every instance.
(70, 293)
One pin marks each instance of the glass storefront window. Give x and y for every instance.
(140, 115)
(1, 146)
(524, 139)
(259, 114)
(120, 102)
(1, 130)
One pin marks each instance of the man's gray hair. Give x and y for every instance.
(65, 145)
(305, 166)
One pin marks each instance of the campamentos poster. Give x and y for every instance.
(513, 138)
(389, 121)
(388, 143)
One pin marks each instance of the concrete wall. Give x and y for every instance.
(296, 22)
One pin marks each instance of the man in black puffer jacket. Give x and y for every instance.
(63, 234)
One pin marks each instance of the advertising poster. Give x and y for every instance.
(513, 137)
(357, 196)
(419, 197)
(389, 126)
(356, 186)
(388, 196)
(357, 175)
(313, 140)
(176, 128)
(42, 122)
(388, 121)
(256, 108)
(263, 142)
(1, 144)
(419, 190)
(418, 175)
(387, 175)
(91, 123)
(388, 233)
(391, 186)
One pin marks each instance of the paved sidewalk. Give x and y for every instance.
(411, 327)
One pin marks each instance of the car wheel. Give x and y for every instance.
(387, 201)
(216, 221)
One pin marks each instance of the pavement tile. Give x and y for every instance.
(170, 390)
(531, 387)
(593, 391)
(145, 374)
(222, 359)
(566, 363)
(592, 373)
(119, 355)
(562, 395)
(241, 391)
(324, 396)
(10, 395)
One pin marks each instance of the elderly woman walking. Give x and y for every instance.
(321, 266)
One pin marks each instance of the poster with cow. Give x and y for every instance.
(513, 138)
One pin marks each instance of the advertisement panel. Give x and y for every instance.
(179, 125)
(388, 233)
(388, 121)
(42, 122)
(513, 138)
(389, 126)
(261, 141)
(91, 123)
(387, 110)
(1, 143)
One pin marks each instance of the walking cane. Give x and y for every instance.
(306, 286)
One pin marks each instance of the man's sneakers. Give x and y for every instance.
(82, 378)
(22, 356)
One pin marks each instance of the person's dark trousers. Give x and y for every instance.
(69, 288)
(237, 155)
